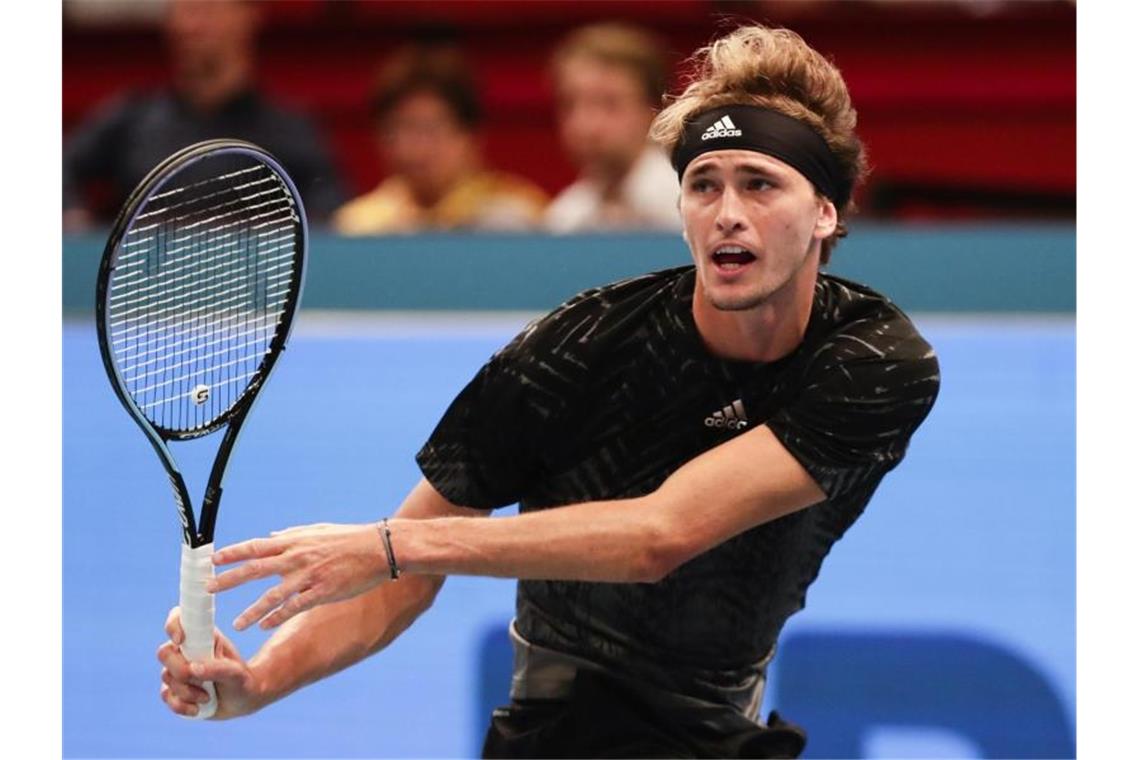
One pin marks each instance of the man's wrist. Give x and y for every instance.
(385, 531)
(258, 692)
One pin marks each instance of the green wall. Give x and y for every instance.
(940, 268)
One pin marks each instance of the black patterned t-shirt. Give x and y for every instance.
(613, 391)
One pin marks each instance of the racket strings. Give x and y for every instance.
(224, 193)
(199, 290)
(190, 294)
(222, 254)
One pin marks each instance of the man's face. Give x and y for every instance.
(201, 33)
(603, 116)
(750, 221)
(425, 144)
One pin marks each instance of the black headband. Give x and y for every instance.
(769, 132)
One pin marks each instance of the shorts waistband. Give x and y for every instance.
(543, 673)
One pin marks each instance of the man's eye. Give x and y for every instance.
(701, 185)
(759, 184)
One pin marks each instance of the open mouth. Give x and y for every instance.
(730, 257)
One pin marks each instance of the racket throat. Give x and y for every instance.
(209, 514)
(199, 532)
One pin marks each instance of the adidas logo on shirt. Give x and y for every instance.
(722, 128)
(731, 417)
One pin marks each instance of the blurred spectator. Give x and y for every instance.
(212, 95)
(427, 114)
(609, 79)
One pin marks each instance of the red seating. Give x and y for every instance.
(945, 97)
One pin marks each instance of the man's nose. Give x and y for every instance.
(730, 213)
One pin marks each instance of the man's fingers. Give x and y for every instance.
(172, 659)
(184, 691)
(176, 704)
(252, 570)
(295, 605)
(252, 549)
(174, 625)
(219, 671)
(270, 600)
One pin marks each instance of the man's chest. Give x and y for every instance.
(637, 423)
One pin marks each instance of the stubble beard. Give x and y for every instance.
(758, 296)
(739, 302)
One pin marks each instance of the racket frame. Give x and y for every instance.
(199, 532)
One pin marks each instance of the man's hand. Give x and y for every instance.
(318, 564)
(237, 688)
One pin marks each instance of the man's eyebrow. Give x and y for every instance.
(767, 171)
(709, 168)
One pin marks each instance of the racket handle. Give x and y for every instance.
(197, 607)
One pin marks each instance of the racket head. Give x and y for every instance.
(198, 287)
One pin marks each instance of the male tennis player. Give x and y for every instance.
(685, 447)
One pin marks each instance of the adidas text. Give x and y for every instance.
(721, 422)
(721, 133)
(722, 128)
(731, 417)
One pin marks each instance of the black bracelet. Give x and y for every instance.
(386, 539)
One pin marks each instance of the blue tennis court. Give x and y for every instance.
(963, 568)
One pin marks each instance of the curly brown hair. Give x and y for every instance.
(776, 69)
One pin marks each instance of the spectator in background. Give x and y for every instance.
(212, 95)
(609, 80)
(427, 115)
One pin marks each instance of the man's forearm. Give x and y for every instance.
(329, 638)
(615, 541)
(742, 483)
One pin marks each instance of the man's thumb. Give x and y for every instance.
(219, 671)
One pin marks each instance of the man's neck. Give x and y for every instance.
(611, 178)
(428, 197)
(209, 89)
(765, 333)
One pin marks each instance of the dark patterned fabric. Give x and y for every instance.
(607, 716)
(613, 391)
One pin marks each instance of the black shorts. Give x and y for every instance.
(606, 716)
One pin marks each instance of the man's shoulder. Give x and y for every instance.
(136, 105)
(571, 207)
(599, 316)
(377, 211)
(858, 322)
(617, 299)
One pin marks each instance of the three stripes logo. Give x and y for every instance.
(731, 417)
(722, 128)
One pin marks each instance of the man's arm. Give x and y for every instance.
(315, 644)
(741, 483)
(328, 639)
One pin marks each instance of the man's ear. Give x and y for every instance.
(827, 220)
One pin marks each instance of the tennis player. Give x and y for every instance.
(685, 447)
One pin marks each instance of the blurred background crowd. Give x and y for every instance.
(930, 634)
(398, 117)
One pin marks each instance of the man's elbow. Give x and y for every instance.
(663, 551)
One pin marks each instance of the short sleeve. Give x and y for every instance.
(488, 447)
(858, 408)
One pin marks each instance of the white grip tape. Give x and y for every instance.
(197, 608)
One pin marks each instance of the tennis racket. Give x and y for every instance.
(197, 290)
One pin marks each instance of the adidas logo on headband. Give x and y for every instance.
(722, 128)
